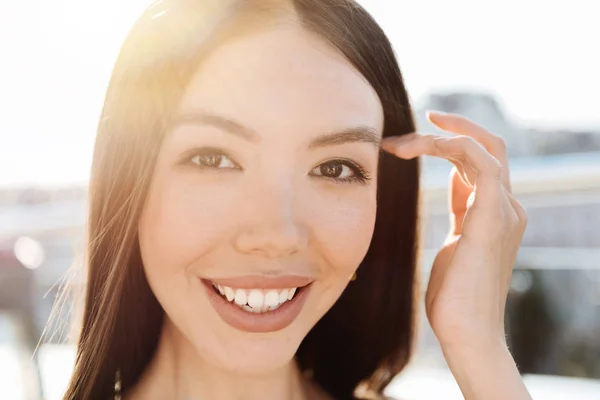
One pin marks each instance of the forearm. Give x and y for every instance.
(486, 375)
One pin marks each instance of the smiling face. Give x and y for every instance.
(266, 183)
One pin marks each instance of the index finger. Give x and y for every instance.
(460, 125)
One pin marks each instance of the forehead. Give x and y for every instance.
(284, 79)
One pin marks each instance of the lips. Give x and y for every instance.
(258, 304)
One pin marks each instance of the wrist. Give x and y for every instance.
(491, 346)
(488, 372)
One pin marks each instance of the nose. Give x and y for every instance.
(271, 226)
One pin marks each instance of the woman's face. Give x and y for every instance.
(263, 199)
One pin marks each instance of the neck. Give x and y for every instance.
(178, 372)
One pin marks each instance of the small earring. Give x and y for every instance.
(353, 277)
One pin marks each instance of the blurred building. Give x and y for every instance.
(560, 141)
(522, 141)
(482, 108)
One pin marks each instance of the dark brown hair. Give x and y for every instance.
(367, 336)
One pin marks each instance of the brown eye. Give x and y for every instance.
(210, 161)
(332, 170)
(213, 161)
(343, 171)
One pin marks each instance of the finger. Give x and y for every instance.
(464, 172)
(458, 176)
(410, 145)
(491, 218)
(458, 196)
(459, 148)
(460, 125)
(512, 216)
(471, 153)
(462, 198)
(478, 165)
(486, 170)
(413, 145)
(519, 211)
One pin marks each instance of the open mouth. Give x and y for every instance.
(252, 308)
(256, 300)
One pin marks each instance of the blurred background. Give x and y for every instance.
(527, 70)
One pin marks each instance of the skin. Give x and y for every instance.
(275, 213)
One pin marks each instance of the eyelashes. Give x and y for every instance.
(212, 158)
(337, 170)
(342, 170)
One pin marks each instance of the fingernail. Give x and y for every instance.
(434, 113)
(398, 140)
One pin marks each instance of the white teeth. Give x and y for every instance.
(256, 300)
(283, 295)
(240, 297)
(229, 293)
(291, 293)
(272, 298)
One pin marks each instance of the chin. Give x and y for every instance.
(259, 356)
(243, 353)
(250, 326)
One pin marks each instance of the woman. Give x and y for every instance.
(239, 187)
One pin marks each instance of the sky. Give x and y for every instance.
(539, 58)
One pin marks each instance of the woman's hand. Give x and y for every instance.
(470, 277)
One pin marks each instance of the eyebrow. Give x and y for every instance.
(357, 134)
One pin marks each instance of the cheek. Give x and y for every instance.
(345, 228)
(181, 222)
(342, 228)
